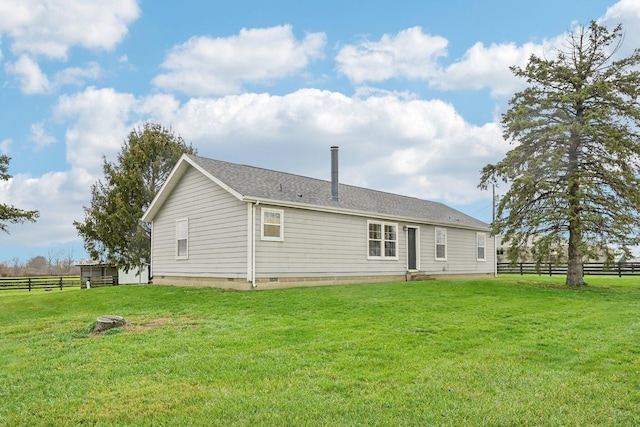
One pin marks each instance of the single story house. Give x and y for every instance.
(228, 225)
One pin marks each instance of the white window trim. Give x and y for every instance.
(271, 238)
(382, 249)
(435, 246)
(178, 221)
(484, 235)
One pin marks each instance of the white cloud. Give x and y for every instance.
(624, 10)
(446, 167)
(54, 227)
(213, 66)
(411, 54)
(488, 67)
(77, 75)
(40, 137)
(50, 27)
(32, 80)
(388, 141)
(5, 145)
(415, 55)
(160, 108)
(627, 13)
(101, 121)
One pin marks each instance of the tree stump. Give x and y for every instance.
(107, 322)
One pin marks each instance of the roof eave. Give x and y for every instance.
(345, 211)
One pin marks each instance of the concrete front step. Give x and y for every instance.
(418, 276)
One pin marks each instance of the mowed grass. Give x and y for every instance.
(511, 351)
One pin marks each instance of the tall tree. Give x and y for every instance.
(574, 170)
(9, 214)
(112, 230)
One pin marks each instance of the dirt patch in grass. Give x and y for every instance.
(146, 326)
(143, 325)
(139, 326)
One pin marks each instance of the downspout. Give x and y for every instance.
(253, 244)
(249, 240)
(150, 266)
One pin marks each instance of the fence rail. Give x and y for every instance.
(39, 282)
(589, 268)
(100, 281)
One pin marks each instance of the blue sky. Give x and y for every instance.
(412, 92)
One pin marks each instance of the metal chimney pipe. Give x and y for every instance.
(334, 173)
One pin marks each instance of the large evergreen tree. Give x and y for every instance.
(575, 166)
(9, 214)
(112, 230)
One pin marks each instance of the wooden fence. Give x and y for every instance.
(55, 282)
(589, 268)
(39, 282)
(100, 281)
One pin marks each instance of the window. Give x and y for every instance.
(481, 239)
(182, 239)
(375, 240)
(441, 244)
(383, 240)
(272, 224)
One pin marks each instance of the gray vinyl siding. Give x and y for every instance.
(217, 231)
(322, 244)
(461, 252)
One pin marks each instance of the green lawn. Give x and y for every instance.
(513, 351)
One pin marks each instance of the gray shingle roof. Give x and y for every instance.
(258, 183)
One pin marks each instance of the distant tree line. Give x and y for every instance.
(56, 263)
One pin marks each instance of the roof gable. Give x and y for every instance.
(183, 164)
(253, 183)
